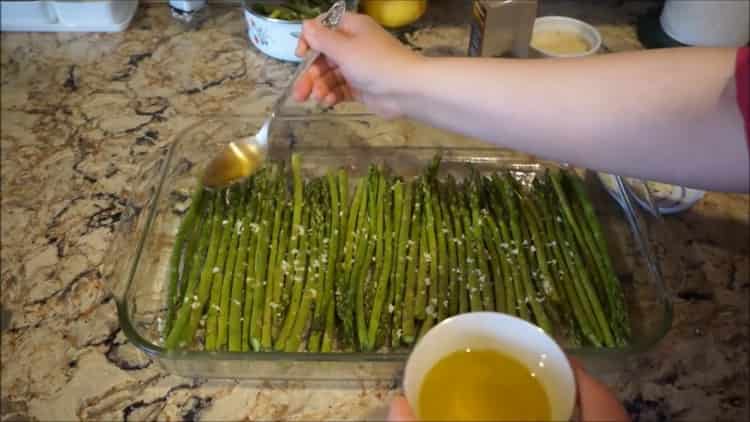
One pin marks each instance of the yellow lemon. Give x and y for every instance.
(394, 13)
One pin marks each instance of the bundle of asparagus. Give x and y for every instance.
(264, 266)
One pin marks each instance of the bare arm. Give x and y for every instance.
(667, 115)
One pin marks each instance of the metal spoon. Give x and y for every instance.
(240, 159)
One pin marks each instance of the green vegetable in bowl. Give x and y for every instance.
(293, 10)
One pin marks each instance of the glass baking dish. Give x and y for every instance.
(138, 261)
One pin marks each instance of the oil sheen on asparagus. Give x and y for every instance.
(334, 263)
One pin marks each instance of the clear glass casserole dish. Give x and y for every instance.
(138, 261)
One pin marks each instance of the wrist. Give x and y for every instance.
(407, 75)
(408, 82)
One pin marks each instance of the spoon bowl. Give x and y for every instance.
(240, 159)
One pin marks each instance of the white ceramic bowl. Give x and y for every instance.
(274, 37)
(512, 336)
(668, 199)
(566, 24)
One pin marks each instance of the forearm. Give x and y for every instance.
(663, 115)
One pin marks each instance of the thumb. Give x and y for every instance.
(400, 411)
(329, 42)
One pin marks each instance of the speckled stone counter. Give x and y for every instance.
(81, 111)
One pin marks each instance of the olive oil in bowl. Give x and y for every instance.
(482, 385)
(488, 366)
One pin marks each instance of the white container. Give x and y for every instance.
(707, 23)
(274, 37)
(187, 5)
(564, 24)
(67, 15)
(509, 335)
(23, 14)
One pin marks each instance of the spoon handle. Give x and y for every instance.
(310, 58)
(329, 19)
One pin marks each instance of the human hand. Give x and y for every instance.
(596, 401)
(400, 411)
(360, 61)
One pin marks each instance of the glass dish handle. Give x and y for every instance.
(642, 237)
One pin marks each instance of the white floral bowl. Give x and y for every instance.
(274, 37)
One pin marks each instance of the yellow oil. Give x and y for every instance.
(482, 385)
(234, 162)
(559, 42)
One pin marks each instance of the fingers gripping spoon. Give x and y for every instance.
(240, 159)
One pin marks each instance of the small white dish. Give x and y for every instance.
(668, 199)
(274, 37)
(506, 334)
(565, 26)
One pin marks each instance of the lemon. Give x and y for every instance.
(394, 13)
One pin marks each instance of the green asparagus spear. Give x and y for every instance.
(462, 267)
(375, 206)
(586, 292)
(491, 245)
(330, 331)
(355, 253)
(315, 272)
(472, 285)
(387, 329)
(292, 287)
(530, 296)
(450, 241)
(189, 232)
(598, 244)
(240, 273)
(408, 334)
(261, 265)
(204, 287)
(516, 290)
(441, 255)
(583, 314)
(281, 270)
(538, 249)
(582, 281)
(220, 273)
(231, 265)
(404, 214)
(271, 271)
(182, 317)
(380, 239)
(505, 299)
(283, 295)
(480, 253)
(300, 265)
(334, 233)
(259, 214)
(385, 271)
(422, 282)
(192, 246)
(343, 182)
(329, 260)
(431, 257)
(577, 244)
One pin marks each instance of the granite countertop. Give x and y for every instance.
(79, 113)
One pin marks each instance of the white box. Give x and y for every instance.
(66, 15)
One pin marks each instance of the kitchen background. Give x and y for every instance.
(82, 111)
